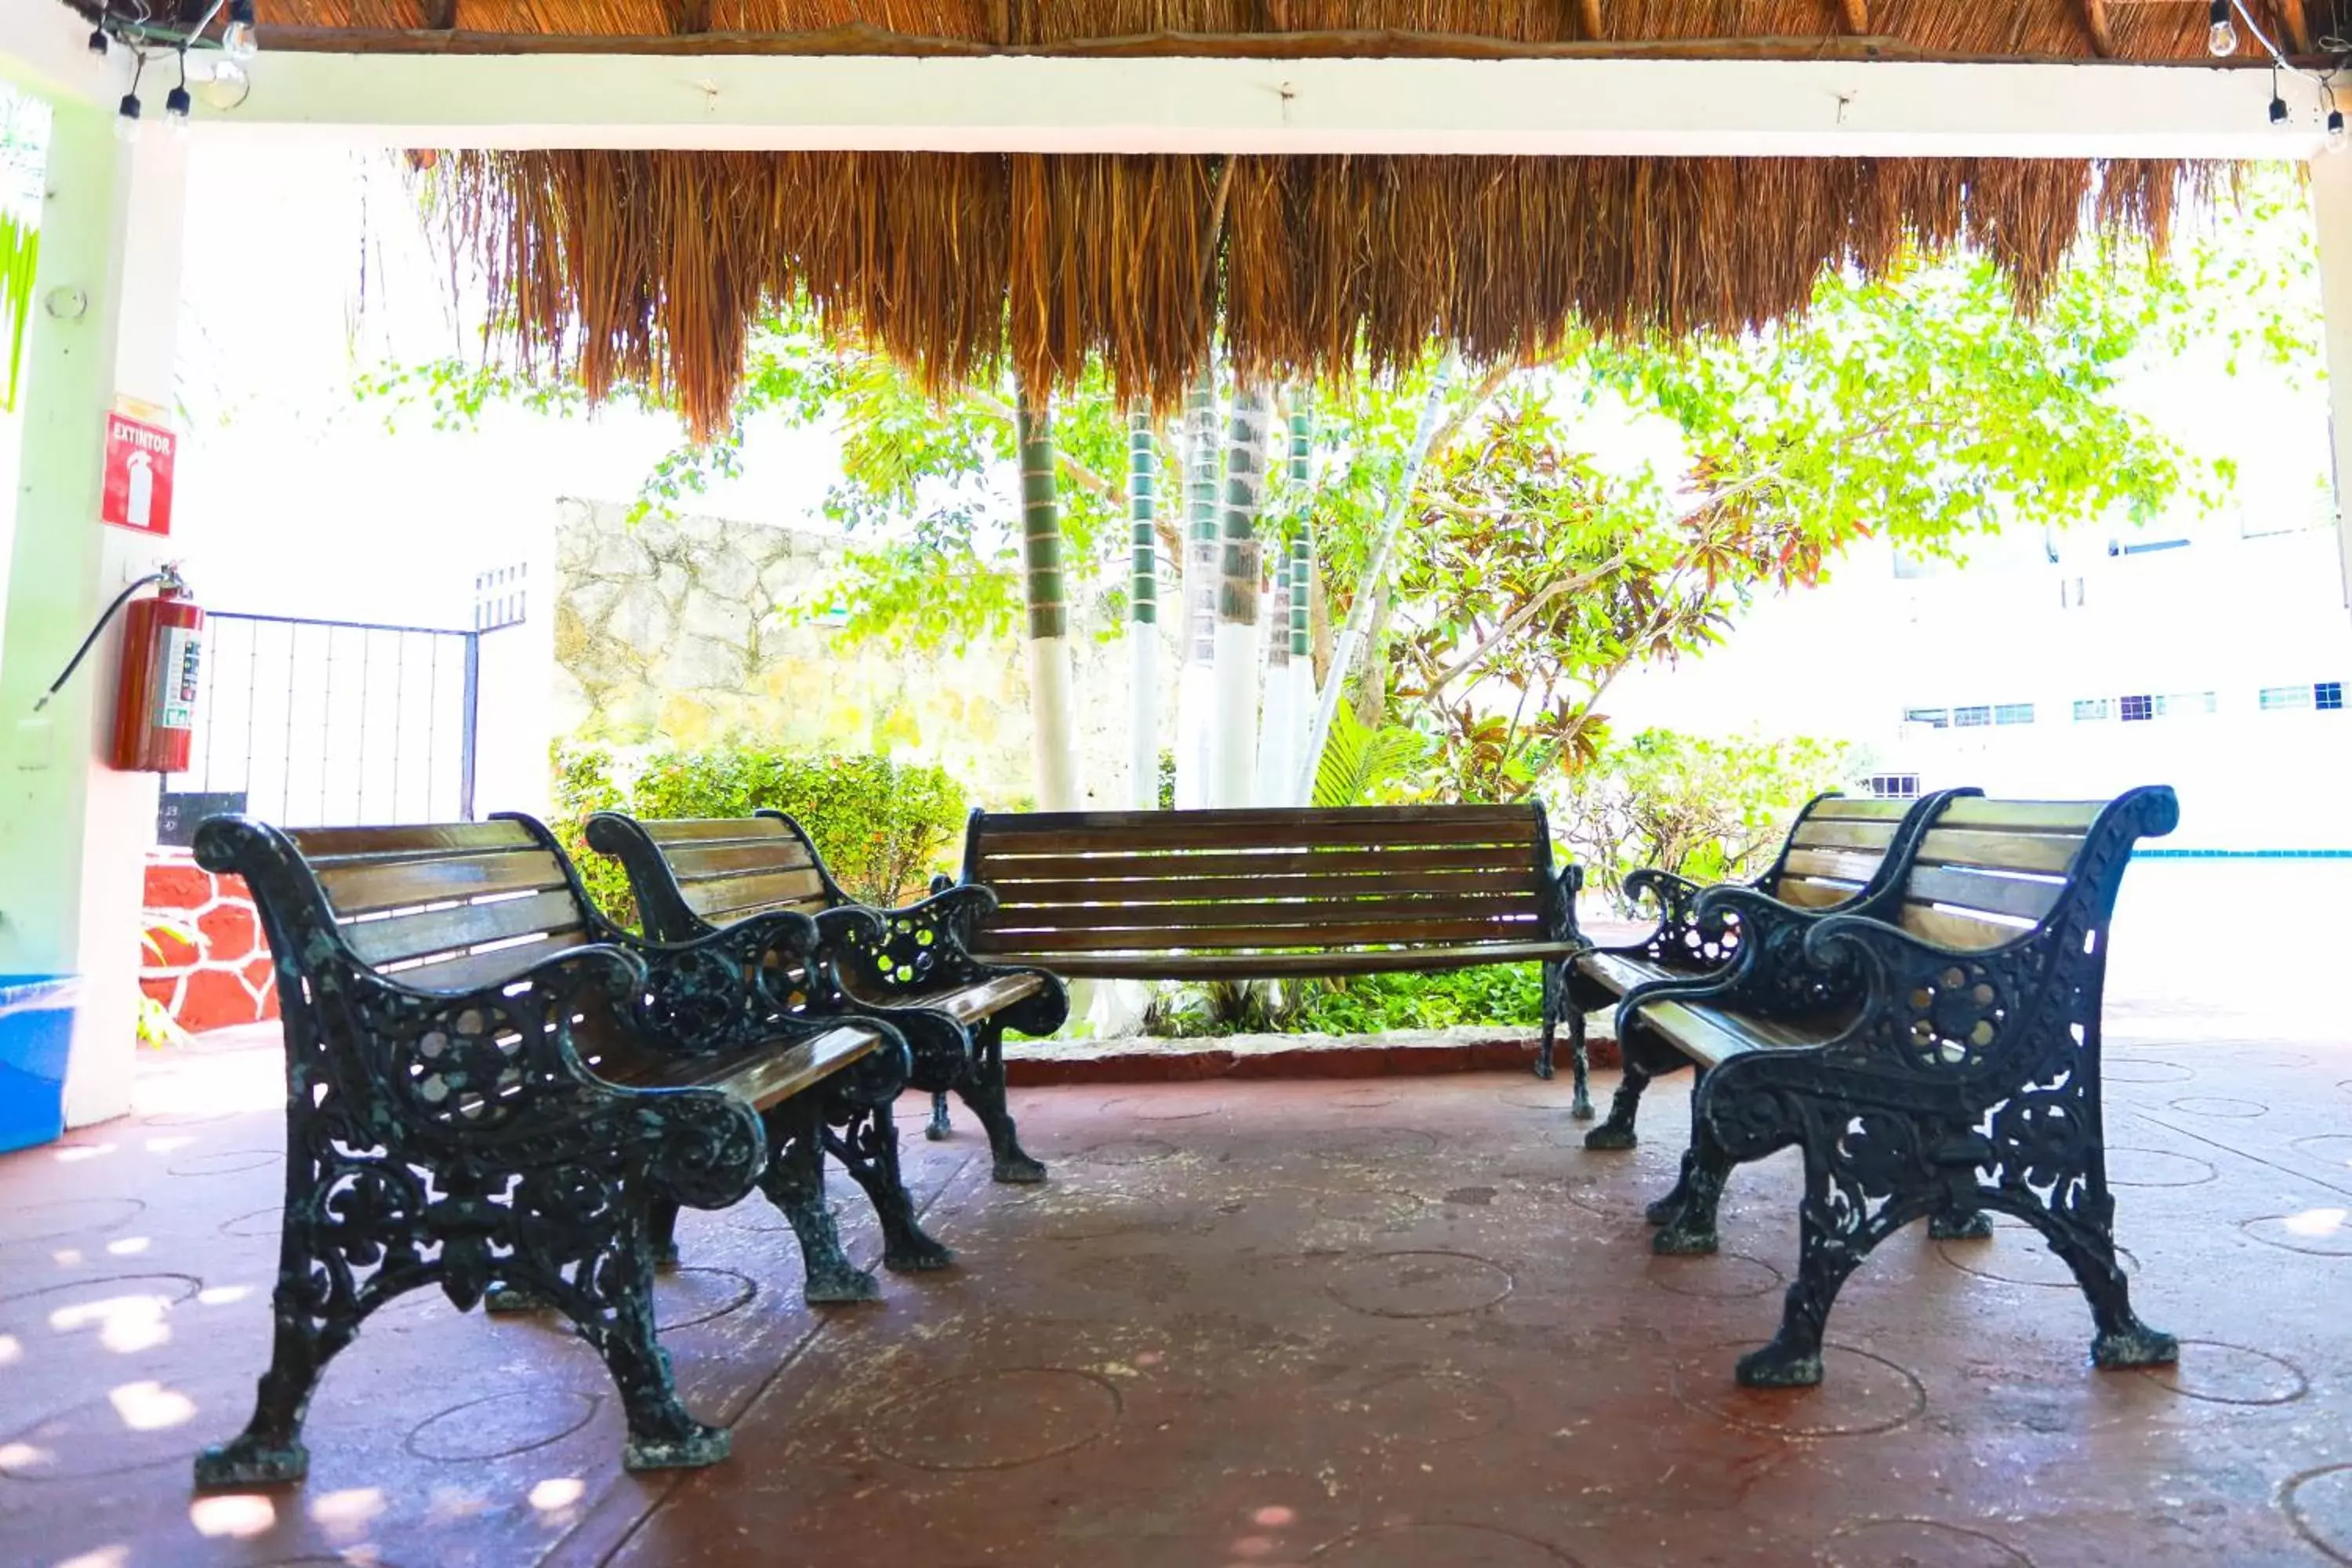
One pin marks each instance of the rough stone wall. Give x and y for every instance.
(222, 978)
(669, 634)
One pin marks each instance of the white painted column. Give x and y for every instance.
(2331, 211)
(74, 833)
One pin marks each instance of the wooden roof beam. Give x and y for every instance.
(441, 15)
(2294, 16)
(1588, 20)
(1854, 16)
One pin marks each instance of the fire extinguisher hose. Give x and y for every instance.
(167, 577)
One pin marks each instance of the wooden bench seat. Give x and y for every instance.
(1277, 894)
(492, 1090)
(1959, 1072)
(692, 877)
(1839, 851)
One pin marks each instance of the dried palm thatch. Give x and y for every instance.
(2129, 29)
(648, 270)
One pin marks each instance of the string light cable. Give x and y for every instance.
(2228, 15)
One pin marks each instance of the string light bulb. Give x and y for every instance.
(239, 40)
(2336, 138)
(126, 119)
(2278, 110)
(179, 109)
(2222, 37)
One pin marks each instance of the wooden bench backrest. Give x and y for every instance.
(446, 906)
(1989, 871)
(1157, 881)
(731, 868)
(1837, 846)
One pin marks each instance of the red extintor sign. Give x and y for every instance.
(139, 475)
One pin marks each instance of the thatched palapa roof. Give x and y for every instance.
(650, 267)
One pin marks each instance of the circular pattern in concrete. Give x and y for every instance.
(2328, 1148)
(1363, 1098)
(2155, 1168)
(2221, 1106)
(2142, 1070)
(2017, 1255)
(67, 1216)
(1369, 1144)
(1136, 1151)
(1431, 1284)
(261, 1224)
(503, 1425)
(997, 1420)
(2221, 1374)
(1911, 1543)
(1365, 1206)
(115, 1305)
(687, 1297)
(1716, 1276)
(186, 1118)
(2324, 1231)
(1536, 1095)
(1425, 1546)
(1162, 1108)
(1424, 1406)
(2318, 1503)
(136, 1426)
(1859, 1394)
(226, 1163)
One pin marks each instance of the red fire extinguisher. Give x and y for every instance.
(163, 671)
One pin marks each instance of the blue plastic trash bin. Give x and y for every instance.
(36, 1032)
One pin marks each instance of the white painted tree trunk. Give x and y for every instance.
(1236, 746)
(1143, 611)
(1054, 747)
(1359, 619)
(1196, 684)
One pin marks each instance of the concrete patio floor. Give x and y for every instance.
(1394, 1321)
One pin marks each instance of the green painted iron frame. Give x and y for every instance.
(1968, 1082)
(459, 1138)
(875, 955)
(1703, 948)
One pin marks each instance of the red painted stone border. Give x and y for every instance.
(1311, 1056)
(225, 978)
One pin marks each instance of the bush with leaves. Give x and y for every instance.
(883, 826)
(1706, 809)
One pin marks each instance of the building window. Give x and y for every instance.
(2135, 709)
(1971, 717)
(2013, 713)
(1894, 786)
(2275, 698)
(2184, 704)
(1935, 717)
(2327, 695)
(2090, 707)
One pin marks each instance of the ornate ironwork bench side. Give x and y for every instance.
(1275, 893)
(1965, 1077)
(1841, 855)
(484, 1096)
(911, 966)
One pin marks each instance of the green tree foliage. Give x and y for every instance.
(1707, 809)
(883, 828)
(1364, 766)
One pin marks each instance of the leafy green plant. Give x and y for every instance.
(20, 259)
(1374, 1003)
(1364, 766)
(883, 826)
(156, 1024)
(1707, 809)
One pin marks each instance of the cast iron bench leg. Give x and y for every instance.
(617, 1319)
(939, 1130)
(983, 1090)
(867, 1149)
(794, 1183)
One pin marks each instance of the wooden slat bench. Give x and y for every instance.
(1963, 1075)
(490, 1090)
(1840, 852)
(1255, 894)
(693, 876)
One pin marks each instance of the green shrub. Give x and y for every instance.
(882, 826)
(1371, 1003)
(1709, 810)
